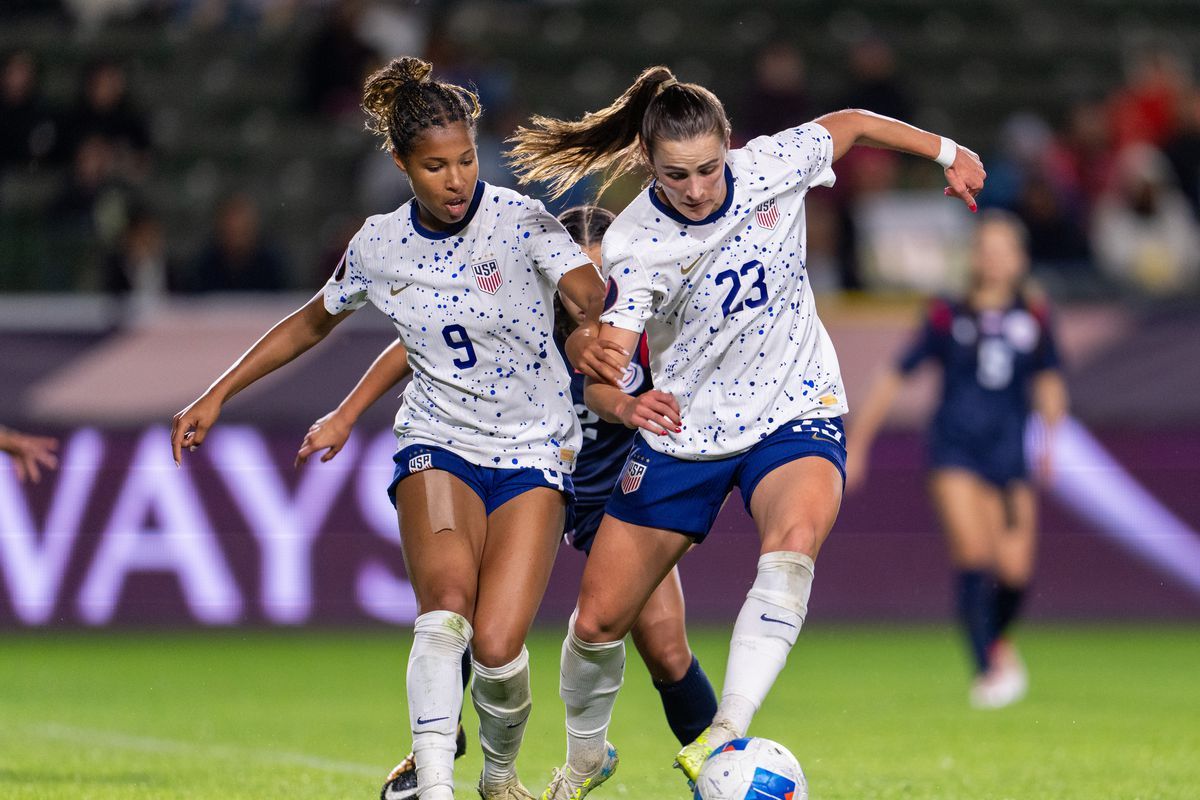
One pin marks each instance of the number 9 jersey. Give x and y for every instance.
(473, 305)
(725, 301)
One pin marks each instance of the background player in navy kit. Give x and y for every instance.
(486, 433)
(709, 261)
(659, 633)
(998, 358)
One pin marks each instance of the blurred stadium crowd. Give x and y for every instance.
(159, 147)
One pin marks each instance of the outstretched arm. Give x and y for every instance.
(588, 352)
(289, 338)
(964, 170)
(865, 424)
(331, 431)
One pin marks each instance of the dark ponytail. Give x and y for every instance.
(655, 108)
(402, 102)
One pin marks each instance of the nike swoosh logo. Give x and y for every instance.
(765, 618)
(438, 719)
(396, 291)
(692, 265)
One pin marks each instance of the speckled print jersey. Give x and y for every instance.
(725, 301)
(473, 306)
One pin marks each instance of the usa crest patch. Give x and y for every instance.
(767, 214)
(632, 479)
(420, 462)
(488, 276)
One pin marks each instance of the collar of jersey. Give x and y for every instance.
(453, 229)
(681, 219)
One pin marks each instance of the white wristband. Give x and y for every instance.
(945, 156)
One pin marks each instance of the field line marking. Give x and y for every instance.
(153, 744)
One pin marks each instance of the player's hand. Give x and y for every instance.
(599, 359)
(654, 411)
(190, 426)
(857, 465)
(329, 433)
(30, 454)
(965, 176)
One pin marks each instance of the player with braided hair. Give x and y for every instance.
(486, 435)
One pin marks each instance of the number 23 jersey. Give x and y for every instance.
(725, 302)
(473, 306)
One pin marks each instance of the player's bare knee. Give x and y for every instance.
(595, 629)
(797, 537)
(667, 662)
(493, 649)
(449, 598)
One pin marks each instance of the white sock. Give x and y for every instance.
(502, 700)
(590, 677)
(435, 697)
(763, 635)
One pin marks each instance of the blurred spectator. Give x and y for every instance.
(1082, 161)
(87, 217)
(27, 128)
(1057, 238)
(1183, 150)
(138, 272)
(778, 97)
(874, 85)
(1146, 109)
(1144, 234)
(336, 63)
(238, 258)
(105, 110)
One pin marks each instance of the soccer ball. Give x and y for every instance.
(751, 769)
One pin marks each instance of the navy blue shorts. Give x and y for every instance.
(660, 491)
(494, 485)
(582, 523)
(999, 460)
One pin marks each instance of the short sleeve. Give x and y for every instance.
(547, 243)
(629, 296)
(929, 341)
(346, 289)
(800, 157)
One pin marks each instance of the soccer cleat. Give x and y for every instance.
(509, 791)
(692, 757)
(401, 783)
(564, 785)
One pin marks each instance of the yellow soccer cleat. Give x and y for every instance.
(565, 785)
(692, 757)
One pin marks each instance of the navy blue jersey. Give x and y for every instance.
(605, 444)
(988, 362)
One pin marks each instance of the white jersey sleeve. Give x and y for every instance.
(796, 158)
(629, 299)
(347, 288)
(547, 243)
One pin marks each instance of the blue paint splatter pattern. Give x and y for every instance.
(725, 303)
(474, 309)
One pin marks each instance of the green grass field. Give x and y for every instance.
(1114, 712)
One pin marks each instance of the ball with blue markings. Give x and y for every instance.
(751, 769)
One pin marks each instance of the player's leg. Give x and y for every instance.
(1015, 548)
(401, 783)
(970, 511)
(442, 549)
(518, 555)
(614, 589)
(794, 507)
(660, 635)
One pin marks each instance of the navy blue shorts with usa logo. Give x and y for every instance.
(661, 491)
(494, 485)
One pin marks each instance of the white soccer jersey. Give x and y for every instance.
(474, 307)
(725, 302)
